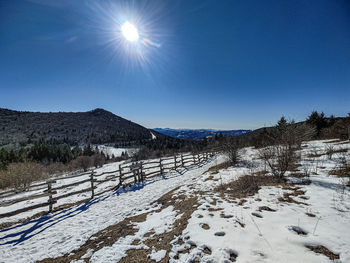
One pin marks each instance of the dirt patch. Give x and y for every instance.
(109, 235)
(213, 202)
(209, 178)
(247, 185)
(105, 237)
(233, 256)
(215, 169)
(343, 171)
(263, 172)
(205, 226)
(242, 201)
(163, 241)
(310, 214)
(222, 215)
(298, 175)
(295, 192)
(211, 209)
(288, 199)
(207, 250)
(323, 250)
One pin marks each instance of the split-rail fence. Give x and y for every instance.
(127, 174)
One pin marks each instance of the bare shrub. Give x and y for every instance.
(57, 168)
(279, 158)
(294, 135)
(330, 151)
(98, 160)
(21, 175)
(343, 170)
(230, 149)
(83, 162)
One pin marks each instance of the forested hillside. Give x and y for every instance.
(96, 127)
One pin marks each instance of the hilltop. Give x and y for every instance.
(97, 126)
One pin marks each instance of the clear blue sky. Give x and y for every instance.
(211, 64)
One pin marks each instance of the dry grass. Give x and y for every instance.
(310, 214)
(105, 237)
(186, 207)
(248, 185)
(215, 169)
(260, 172)
(287, 197)
(108, 236)
(343, 171)
(211, 178)
(205, 226)
(323, 250)
(298, 175)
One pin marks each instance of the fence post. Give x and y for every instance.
(49, 191)
(194, 159)
(175, 161)
(182, 161)
(141, 171)
(120, 174)
(92, 184)
(160, 165)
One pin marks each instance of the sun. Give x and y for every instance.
(130, 32)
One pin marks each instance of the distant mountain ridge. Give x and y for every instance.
(97, 126)
(197, 134)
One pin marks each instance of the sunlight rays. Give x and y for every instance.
(132, 33)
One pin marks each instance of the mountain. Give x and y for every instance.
(97, 126)
(197, 134)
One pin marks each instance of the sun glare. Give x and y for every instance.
(130, 32)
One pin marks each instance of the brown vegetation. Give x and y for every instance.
(248, 185)
(21, 175)
(216, 168)
(323, 250)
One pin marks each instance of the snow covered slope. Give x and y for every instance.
(181, 217)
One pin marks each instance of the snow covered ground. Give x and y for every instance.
(117, 152)
(180, 217)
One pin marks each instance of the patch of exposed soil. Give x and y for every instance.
(323, 250)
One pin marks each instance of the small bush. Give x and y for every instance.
(230, 149)
(21, 175)
(98, 160)
(279, 158)
(83, 162)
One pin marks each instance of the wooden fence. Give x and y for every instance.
(127, 174)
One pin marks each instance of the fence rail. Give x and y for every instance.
(127, 174)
